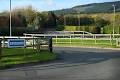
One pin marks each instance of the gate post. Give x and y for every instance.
(50, 45)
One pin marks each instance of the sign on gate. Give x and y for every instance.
(16, 43)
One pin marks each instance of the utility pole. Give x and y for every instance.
(10, 20)
(113, 20)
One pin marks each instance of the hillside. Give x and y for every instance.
(91, 8)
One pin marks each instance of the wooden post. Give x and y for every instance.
(117, 42)
(33, 43)
(70, 40)
(0, 49)
(83, 35)
(56, 39)
(95, 38)
(44, 36)
(111, 39)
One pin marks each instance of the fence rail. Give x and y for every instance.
(72, 39)
(84, 39)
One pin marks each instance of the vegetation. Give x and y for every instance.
(29, 20)
(26, 20)
(11, 57)
(94, 23)
(70, 28)
(91, 29)
(60, 28)
(84, 42)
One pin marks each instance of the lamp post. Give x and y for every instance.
(10, 21)
(113, 20)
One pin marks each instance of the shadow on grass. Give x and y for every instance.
(20, 59)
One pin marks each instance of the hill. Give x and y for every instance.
(105, 7)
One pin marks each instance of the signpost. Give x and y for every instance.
(16, 43)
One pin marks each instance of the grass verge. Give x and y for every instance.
(16, 56)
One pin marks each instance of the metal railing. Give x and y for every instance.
(84, 39)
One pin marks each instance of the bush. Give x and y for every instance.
(4, 31)
(94, 29)
(109, 29)
(60, 28)
(91, 29)
(70, 28)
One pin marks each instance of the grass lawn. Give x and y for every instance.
(84, 42)
(18, 56)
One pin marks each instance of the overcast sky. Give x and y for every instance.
(46, 5)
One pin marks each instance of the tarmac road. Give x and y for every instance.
(73, 64)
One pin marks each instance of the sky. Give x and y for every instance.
(46, 5)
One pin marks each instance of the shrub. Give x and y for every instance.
(70, 28)
(60, 27)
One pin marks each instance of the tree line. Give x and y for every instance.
(94, 23)
(26, 20)
(29, 20)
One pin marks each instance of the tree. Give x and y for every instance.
(100, 22)
(51, 23)
(4, 21)
(60, 20)
(43, 19)
(94, 30)
(37, 21)
(23, 20)
(60, 27)
(30, 15)
(27, 13)
(86, 21)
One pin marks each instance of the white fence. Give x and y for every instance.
(56, 38)
(77, 35)
(108, 38)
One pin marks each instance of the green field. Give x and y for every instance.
(19, 56)
(83, 42)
